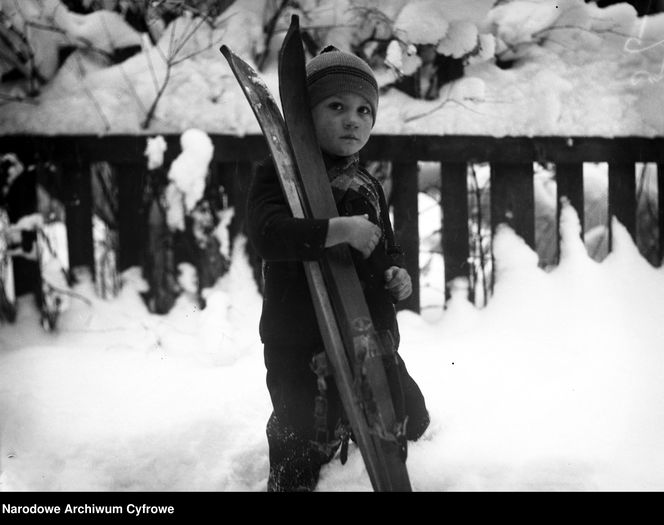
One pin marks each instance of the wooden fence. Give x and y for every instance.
(511, 194)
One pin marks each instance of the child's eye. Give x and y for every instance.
(336, 106)
(364, 110)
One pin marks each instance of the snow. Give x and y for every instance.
(459, 40)
(106, 31)
(189, 170)
(406, 61)
(422, 22)
(555, 385)
(154, 151)
(598, 71)
(518, 21)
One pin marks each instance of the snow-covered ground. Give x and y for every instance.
(556, 385)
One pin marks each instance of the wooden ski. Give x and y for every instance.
(361, 341)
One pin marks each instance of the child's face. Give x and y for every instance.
(343, 123)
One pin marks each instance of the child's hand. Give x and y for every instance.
(398, 282)
(356, 230)
(363, 235)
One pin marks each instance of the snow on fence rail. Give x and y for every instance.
(511, 182)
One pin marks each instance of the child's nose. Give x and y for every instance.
(350, 121)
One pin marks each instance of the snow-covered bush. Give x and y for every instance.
(41, 29)
(421, 45)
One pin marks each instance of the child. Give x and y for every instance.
(343, 95)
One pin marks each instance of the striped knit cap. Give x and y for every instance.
(334, 71)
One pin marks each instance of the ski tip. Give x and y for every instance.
(225, 50)
(292, 36)
(294, 25)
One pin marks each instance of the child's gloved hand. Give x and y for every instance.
(397, 281)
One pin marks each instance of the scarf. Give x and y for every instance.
(345, 174)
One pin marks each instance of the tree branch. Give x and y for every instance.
(269, 30)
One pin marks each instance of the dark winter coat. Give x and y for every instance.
(283, 242)
(289, 328)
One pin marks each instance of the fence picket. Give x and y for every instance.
(660, 208)
(406, 224)
(238, 188)
(78, 203)
(513, 200)
(569, 183)
(454, 204)
(132, 178)
(622, 196)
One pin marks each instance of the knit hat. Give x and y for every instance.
(334, 71)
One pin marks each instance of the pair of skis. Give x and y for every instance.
(351, 343)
